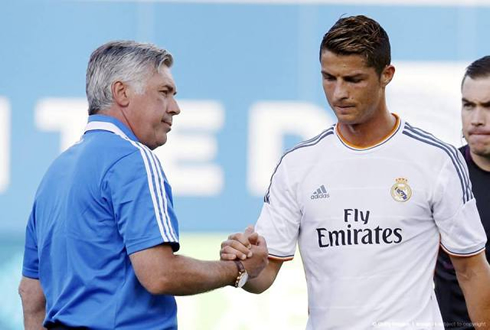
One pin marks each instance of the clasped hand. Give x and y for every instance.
(249, 247)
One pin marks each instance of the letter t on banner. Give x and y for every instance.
(65, 115)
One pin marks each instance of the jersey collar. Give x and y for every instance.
(111, 124)
(388, 137)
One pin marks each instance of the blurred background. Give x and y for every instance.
(249, 86)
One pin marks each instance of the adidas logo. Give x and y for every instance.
(320, 193)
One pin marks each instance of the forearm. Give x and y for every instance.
(474, 280)
(265, 279)
(258, 284)
(33, 303)
(34, 320)
(189, 276)
(476, 289)
(160, 271)
(479, 310)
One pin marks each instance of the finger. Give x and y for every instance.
(242, 238)
(261, 245)
(237, 249)
(261, 241)
(253, 238)
(249, 230)
(237, 245)
(235, 236)
(228, 256)
(226, 243)
(250, 235)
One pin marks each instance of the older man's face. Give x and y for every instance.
(152, 111)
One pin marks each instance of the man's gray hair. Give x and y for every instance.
(127, 61)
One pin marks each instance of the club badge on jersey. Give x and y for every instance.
(401, 191)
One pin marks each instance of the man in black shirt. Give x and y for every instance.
(476, 129)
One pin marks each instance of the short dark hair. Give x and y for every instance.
(359, 35)
(478, 69)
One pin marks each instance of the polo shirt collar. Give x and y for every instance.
(111, 124)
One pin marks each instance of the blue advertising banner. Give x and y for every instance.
(249, 87)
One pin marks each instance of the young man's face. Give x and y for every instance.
(353, 90)
(476, 114)
(152, 111)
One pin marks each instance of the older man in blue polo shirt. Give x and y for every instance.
(102, 233)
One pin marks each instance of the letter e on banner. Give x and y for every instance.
(191, 147)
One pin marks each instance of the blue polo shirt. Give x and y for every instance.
(101, 200)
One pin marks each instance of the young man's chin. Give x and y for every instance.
(348, 120)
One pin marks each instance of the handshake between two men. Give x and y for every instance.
(250, 250)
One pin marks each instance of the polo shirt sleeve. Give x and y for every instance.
(455, 211)
(142, 201)
(30, 267)
(280, 217)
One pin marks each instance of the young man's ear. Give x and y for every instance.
(120, 93)
(387, 75)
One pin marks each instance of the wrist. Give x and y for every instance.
(242, 276)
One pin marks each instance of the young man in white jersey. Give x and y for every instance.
(368, 201)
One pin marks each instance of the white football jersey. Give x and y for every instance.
(369, 222)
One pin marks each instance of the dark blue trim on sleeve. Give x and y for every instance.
(468, 254)
(428, 138)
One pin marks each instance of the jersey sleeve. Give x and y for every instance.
(142, 201)
(280, 217)
(30, 267)
(455, 211)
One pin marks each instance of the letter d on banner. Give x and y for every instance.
(268, 124)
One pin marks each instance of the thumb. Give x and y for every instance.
(261, 241)
(249, 230)
(253, 238)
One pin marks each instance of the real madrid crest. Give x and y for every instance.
(401, 191)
